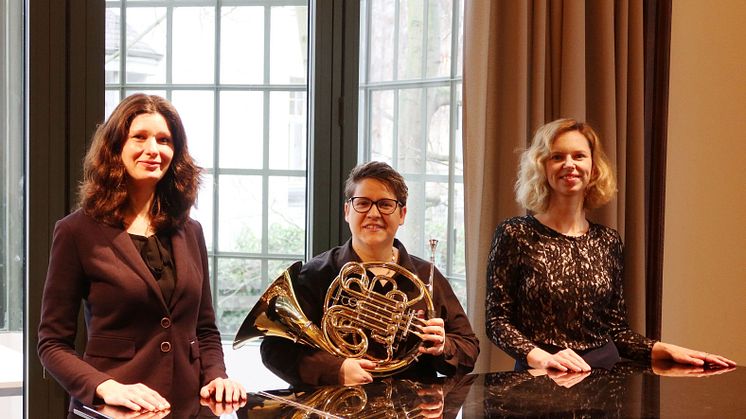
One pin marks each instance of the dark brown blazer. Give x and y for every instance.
(133, 335)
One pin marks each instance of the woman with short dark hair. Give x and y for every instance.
(375, 208)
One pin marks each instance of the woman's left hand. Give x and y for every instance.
(433, 332)
(688, 356)
(223, 389)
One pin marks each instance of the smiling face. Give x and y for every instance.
(148, 149)
(570, 165)
(373, 231)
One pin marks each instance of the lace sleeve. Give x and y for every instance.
(502, 283)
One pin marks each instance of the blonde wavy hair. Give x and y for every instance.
(532, 188)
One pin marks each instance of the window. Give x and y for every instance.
(410, 117)
(236, 72)
(11, 208)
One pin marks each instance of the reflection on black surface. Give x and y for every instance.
(193, 409)
(628, 390)
(390, 398)
(602, 393)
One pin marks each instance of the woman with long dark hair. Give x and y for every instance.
(138, 263)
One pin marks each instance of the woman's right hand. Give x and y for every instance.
(353, 371)
(564, 360)
(132, 396)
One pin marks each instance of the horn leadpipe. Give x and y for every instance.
(430, 288)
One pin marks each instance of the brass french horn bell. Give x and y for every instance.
(358, 321)
(277, 313)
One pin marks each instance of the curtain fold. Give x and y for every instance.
(530, 62)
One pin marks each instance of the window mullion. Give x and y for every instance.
(216, 161)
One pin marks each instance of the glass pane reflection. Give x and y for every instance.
(241, 45)
(198, 124)
(287, 215)
(241, 130)
(239, 288)
(193, 43)
(289, 45)
(240, 214)
(146, 45)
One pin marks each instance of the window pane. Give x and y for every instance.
(439, 24)
(412, 144)
(241, 130)
(381, 40)
(458, 158)
(12, 207)
(111, 100)
(438, 130)
(12, 188)
(276, 268)
(457, 250)
(382, 125)
(412, 232)
(239, 287)
(240, 214)
(198, 124)
(289, 45)
(242, 61)
(157, 92)
(436, 219)
(287, 215)
(411, 25)
(460, 43)
(193, 43)
(146, 45)
(113, 48)
(203, 212)
(287, 131)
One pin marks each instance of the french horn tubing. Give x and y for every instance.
(366, 315)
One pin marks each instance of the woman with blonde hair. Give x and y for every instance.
(555, 297)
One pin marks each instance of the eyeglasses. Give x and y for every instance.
(385, 206)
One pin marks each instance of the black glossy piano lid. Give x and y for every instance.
(629, 390)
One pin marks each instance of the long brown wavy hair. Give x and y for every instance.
(103, 192)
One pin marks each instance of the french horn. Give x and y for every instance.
(366, 315)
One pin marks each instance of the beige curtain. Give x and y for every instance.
(530, 62)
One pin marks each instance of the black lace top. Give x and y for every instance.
(545, 288)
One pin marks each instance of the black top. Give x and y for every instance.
(156, 252)
(549, 289)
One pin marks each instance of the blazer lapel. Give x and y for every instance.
(122, 244)
(183, 263)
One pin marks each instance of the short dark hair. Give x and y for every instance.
(383, 173)
(103, 193)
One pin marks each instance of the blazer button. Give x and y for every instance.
(165, 322)
(166, 346)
